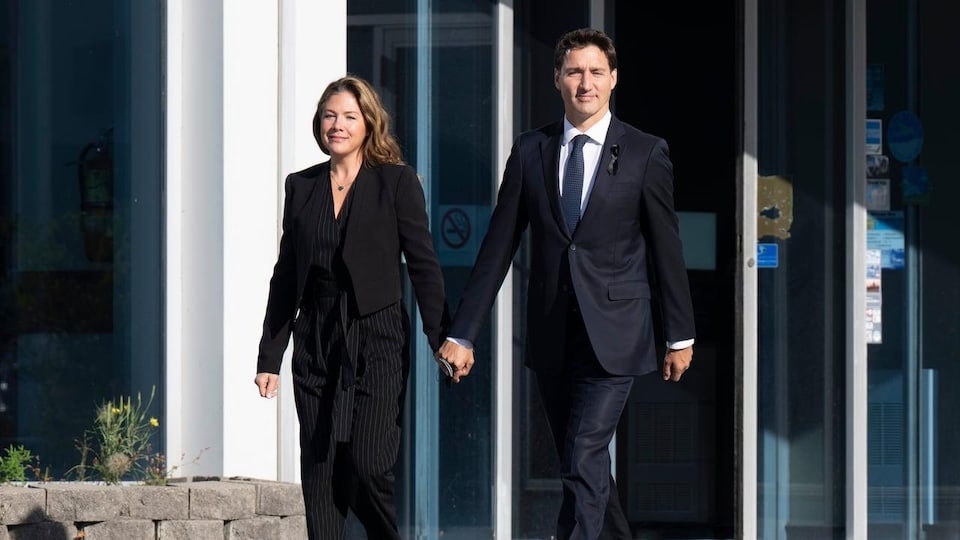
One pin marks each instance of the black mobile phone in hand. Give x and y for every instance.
(445, 367)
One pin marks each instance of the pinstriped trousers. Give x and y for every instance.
(355, 474)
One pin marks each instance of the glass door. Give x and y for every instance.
(433, 65)
(913, 287)
(676, 464)
(801, 231)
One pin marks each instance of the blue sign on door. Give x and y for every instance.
(768, 255)
(905, 136)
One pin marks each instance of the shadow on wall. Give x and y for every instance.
(35, 526)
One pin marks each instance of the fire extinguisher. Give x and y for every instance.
(95, 173)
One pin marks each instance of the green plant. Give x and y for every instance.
(118, 446)
(14, 465)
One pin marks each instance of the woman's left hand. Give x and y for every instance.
(268, 383)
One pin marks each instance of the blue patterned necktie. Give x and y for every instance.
(573, 183)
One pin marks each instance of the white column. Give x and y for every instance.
(249, 187)
(313, 52)
(194, 226)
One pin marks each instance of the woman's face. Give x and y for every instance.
(342, 126)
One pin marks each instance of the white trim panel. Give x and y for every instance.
(173, 290)
(503, 385)
(856, 347)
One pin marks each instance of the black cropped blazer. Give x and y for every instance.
(387, 217)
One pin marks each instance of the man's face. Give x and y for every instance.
(585, 81)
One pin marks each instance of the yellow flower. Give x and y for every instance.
(115, 410)
(154, 422)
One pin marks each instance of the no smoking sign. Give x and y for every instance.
(458, 230)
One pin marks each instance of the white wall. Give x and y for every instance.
(195, 235)
(242, 84)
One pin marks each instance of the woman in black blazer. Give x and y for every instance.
(336, 287)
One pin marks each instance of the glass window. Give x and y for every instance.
(80, 217)
(801, 231)
(433, 67)
(912, 81)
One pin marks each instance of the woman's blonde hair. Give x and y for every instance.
(380, 146)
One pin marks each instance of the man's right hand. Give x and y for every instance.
(460, 357)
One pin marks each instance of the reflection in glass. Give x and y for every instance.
(801, 197)
(80, 200)
(913, 435)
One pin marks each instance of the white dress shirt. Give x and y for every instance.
(591, 154)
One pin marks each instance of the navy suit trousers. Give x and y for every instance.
(583, 406)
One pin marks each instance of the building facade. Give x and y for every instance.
(143, 148)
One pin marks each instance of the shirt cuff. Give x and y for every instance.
(677, 345)
(461, 342)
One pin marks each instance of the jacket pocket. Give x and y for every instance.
(628, 290)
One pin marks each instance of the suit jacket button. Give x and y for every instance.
(573, 247)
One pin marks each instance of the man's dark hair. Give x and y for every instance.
(584, 37)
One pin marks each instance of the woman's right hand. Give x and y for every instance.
(268, 383)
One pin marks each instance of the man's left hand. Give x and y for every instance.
(676, 363)
(459, 357)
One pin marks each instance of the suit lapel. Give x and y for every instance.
(309, 216)
(550, 158)
(603, 179)
(364, 187)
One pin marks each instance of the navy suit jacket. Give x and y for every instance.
(626, 246)
(388, 216)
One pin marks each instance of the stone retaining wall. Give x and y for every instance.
(187, 509)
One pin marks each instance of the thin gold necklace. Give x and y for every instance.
(340, 187)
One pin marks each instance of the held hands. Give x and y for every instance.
(458, 357)
(676, 363)
(268, 383)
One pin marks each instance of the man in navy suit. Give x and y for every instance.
(597, 196)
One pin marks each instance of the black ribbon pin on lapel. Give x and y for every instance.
(613, 166)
